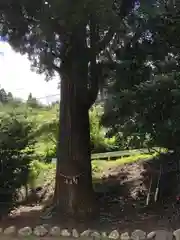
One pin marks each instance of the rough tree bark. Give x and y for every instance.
(74, 193)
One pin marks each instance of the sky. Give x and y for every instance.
(16, 77)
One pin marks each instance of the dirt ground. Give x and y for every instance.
(122, 196)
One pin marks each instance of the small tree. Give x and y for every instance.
(32, 101)
(10, 97)
(3, 96)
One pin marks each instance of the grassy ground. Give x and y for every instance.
(101, 166)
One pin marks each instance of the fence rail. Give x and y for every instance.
(119, 154)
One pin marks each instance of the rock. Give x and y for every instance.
(151, 235)
(40, 231)
(124, 236)
(104, 235)
(25, 232)
(65, 233)
(114, 234)
(95, 235)
(138, 235)
(163, 235)
(1, 230)
(55, 231)
(176, 234)
(10, 230)
(86, 233)
(75, 233)
(47, 226)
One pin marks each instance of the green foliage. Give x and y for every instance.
(45, 127)
(50, 153)
(159, 111)
(3, 96)
(143, 102)
(16, 132)
(47, 133)
(99, 141)
(36, 168)
(96, 168)
(49, 129)
(16, 153)
(32, 102)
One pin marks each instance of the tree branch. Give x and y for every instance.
(106, 40)
(125, 8)
(55, 68)
(93, 90)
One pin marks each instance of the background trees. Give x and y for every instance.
(32, 101)
(145, 102)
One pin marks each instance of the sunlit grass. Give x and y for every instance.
(134, 158)
(123, 160)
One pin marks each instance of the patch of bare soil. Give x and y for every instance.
(122, 199)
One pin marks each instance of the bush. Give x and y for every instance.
(16, 153)
(50, 153)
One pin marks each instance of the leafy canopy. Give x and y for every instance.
(145, 86)
(44, 30)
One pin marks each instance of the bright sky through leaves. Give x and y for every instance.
(17, 77)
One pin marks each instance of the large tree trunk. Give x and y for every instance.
(74, 193)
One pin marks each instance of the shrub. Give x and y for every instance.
(16, 152)
(50, 153)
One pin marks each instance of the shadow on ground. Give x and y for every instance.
(122, 196)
